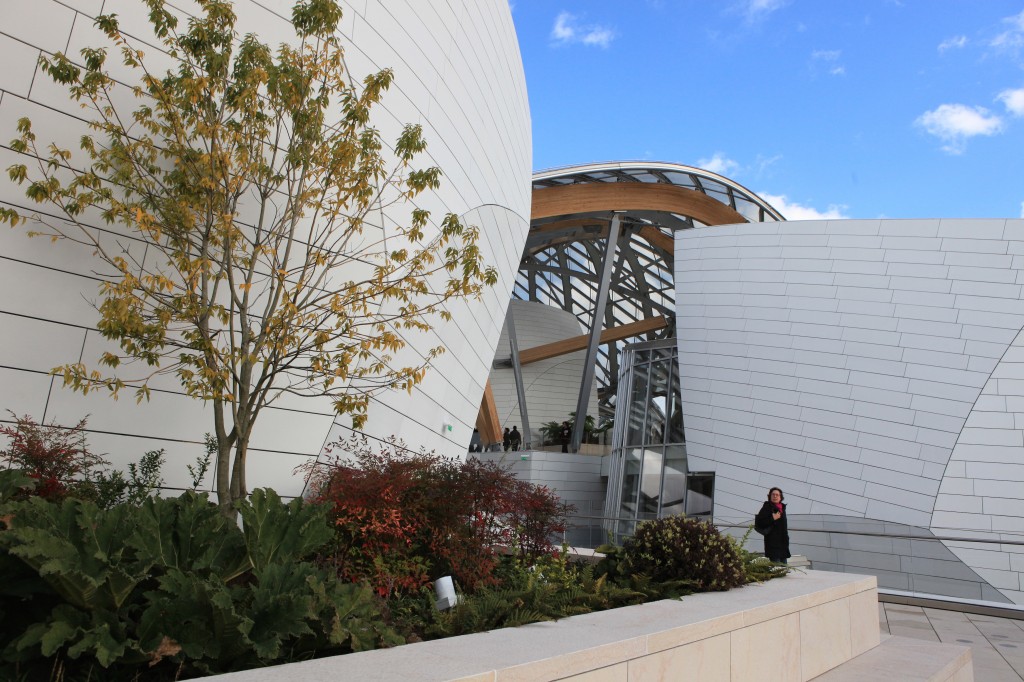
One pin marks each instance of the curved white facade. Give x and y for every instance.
(873, 370)
(457, 72)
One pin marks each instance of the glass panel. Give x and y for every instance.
(675, 422)
(637, 404)
(700, 494)
(630, 482)
(658, 405)
(656, 418)
(674, 488)
(650, 483)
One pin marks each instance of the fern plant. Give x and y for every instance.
(757, 567)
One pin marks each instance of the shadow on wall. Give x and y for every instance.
(902, 557)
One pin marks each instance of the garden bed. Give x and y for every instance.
(798, 627)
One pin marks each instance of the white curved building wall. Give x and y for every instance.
(872, 370)
(552, 386)
(457, 72)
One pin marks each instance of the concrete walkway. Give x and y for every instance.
(997, 644)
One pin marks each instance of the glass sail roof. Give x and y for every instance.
(561, 261)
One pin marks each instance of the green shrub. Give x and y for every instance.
(550, 589)
(677, 548)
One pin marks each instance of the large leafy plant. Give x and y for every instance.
(175, 586)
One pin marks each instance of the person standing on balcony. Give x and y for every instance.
(515, 438)
(773, 517)
(565, 435)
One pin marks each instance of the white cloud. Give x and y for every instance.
(1013, 38)
(826, 55)
(719, 164)
(1013, 100)
(757, 9)
(830, 57)
(954, 124)
(568, 30)
(763, 163)
(954, 42)
(794, 211)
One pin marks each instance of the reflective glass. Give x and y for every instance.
(700, 494)
(630, 482)
(675, 410)
(650, 484)
(674, 488)
(656, 410)
(635, 430)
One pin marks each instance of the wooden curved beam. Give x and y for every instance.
(487, 422)
(549, 202)
(575, 343)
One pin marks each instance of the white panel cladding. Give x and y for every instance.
(986, 474)
(552, 385)
(892, 344)
(458, 72)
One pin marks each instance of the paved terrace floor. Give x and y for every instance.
(997, 644)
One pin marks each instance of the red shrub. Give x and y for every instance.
(57, 457)
(404, 518)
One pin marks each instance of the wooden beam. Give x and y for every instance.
(487, 422)
(575, 343)
(570, 223)
(658, 239)
(550, 202)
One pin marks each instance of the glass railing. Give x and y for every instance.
(907, 560)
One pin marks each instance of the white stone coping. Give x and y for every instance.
(577, 645)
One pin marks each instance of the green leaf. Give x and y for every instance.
(77, 549)
(13, 482)
(204, 616)
(190, 534)
(281, 533)
(60, 630)
(281, 604)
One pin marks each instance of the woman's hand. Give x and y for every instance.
(777, 515)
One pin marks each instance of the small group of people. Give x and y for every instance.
(771, 522)
(512, 440)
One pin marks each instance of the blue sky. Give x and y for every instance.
(835, 108)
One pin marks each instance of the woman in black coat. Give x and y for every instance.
(773, 518)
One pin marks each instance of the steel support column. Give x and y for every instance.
(590, 362)
(517, 372)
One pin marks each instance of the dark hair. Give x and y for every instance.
(771, 490)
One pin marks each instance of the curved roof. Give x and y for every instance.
(572, 209)
(752, 207)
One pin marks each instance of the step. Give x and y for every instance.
(798, 561)
(906, 660)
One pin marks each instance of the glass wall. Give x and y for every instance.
(648, 476)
